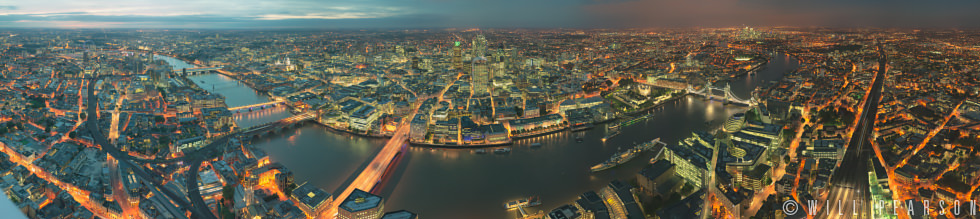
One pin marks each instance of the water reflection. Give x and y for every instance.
(459, 183)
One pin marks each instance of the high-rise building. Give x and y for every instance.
(457, 56)
(479, 46)
(415, 62)
(480, 78)
(361, 205)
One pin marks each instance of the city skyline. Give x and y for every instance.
(511, 109)
(349, 14)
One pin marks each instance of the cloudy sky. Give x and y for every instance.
(483, 13)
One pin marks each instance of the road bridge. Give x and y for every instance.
(257, 105)
(727, 95)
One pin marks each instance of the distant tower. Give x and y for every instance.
(415, 62)
(457, 56)
(480, 77)
(479, 46)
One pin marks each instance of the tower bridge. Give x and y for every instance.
(727, 95)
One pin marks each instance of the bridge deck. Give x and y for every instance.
(256, 105)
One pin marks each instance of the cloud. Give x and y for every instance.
(338, 12)
(835, 13)
(482, 13)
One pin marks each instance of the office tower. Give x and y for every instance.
(479, 46)
(480, 77)
(457, 56)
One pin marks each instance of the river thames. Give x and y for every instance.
(458, 183)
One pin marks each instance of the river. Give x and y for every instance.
(457, 183)
(235, 92)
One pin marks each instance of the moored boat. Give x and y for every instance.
(501, 150)
(615, 160)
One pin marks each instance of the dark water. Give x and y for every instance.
(236, 94)
(457, 183)
(319, 155)
(175, 63)
(778, 65)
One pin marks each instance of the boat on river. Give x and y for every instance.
(501, 150)
(616, 159)
(611, 134)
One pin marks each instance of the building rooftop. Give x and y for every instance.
(402, 214)
(310, 195)
(360, 200)
(656, 169)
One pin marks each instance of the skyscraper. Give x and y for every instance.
(480, 78)
(457, 56)
(479, 46)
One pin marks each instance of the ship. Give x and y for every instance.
(481, 151)
(536, 144)
(501, 150)
(581, 127)
(616, 159)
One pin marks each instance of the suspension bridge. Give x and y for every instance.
(726, 94)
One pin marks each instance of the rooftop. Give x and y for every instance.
(359, 200)
(402, 214)
(310, 195)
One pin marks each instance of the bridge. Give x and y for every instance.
(371, 178)
(257, 105)
(200, 70)
(729, 97)
(275, 127)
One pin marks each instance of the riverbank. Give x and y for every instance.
(460, 146)
(647, 109)
(345, 131)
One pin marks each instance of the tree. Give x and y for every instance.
(159, 119)
(83, 116)
(73, 134)
(626, 82)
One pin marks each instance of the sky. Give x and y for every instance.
(330, 14)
